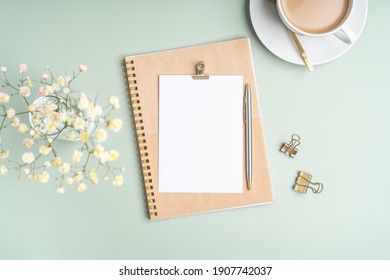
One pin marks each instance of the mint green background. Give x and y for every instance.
(341, 111)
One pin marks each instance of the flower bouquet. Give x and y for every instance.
(57, 113)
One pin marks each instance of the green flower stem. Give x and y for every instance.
(25, 99)
(15, 88)
(7, 83)
(86, 163)
(2, 122)
(62, 179)
(22, 113)
(41, 82)
(37, 157)
(1, 126)
(54, 139)
(74, 77)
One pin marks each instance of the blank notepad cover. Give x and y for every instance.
(200, 134)
(143, 71)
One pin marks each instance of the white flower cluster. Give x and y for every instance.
(64, 113)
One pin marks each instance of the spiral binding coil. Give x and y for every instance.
(135, 104)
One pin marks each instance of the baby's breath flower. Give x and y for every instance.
(50, 126)
(44, 177)
(104, 157)
(98, 110)
(113, 155)
(32, 108)
(101, 135)
(76, 156)
(47, 164)
(94, 110)
(3, 169)
(81, 187)
(83, 101)
(26, 171)
(25, 91)
(45, 76)
(28, 157)
(23, 68)
(33, 133)
(64, 168)
(79, 176)
(55, 117)
(60, 81)
(10, 112)
(69, 119)
(84, 137)
(98, 150)
(56, 87)
(47, 90)
(44, 110)
(57, 161)
(60, 189)
(41, 90)
(114, 101)
(71, 135)
(28, 142)
(44, 150)
(15, 121)
(115, 124)
(118, 180)
(23, 128)
(4, 98)
(29, 81)
(4, 154)
(93, 176)
(66, 90)
(79, 123)
(83, 68)
(52, 107)
(33, 177)
(3, 69)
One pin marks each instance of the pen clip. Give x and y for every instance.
(247, 104)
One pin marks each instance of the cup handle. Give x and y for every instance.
(346, 34)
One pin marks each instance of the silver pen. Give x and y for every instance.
(248, 135)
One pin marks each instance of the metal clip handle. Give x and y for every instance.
(200, 75)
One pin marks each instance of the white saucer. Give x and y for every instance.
(275, 37)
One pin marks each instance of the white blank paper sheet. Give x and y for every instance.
(200, 134)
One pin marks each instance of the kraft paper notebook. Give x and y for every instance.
(166, 128)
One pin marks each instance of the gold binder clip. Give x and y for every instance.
(303, 182)
(290, 149)
(200, 75)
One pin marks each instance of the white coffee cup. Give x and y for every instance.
(318, 18)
